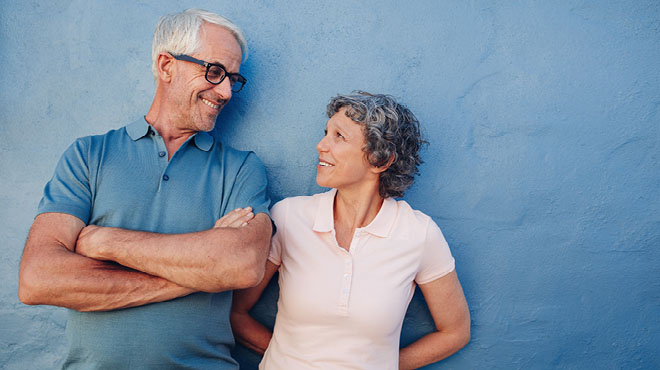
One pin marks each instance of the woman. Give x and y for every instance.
(349, 259)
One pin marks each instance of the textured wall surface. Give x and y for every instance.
(543, 169)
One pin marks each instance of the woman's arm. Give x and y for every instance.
(446, 301)
(248, 331)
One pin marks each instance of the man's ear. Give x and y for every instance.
(383, 168)
(165, 66)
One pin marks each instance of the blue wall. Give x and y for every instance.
(543, 169)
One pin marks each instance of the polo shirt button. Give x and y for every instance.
(161, 154)
(165, 177)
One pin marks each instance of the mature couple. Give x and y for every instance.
(144, 232)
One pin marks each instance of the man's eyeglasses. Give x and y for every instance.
(216, 73)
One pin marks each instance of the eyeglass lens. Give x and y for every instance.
(215, 74)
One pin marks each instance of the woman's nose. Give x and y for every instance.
(321, 146)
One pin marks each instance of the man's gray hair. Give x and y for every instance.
(179, 33)
(390, 131)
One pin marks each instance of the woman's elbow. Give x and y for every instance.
(462, 335)
(455, 339)
(235, 319)
(464, 339)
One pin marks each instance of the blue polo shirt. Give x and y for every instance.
(124, 179)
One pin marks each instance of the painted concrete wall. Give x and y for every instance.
(543, 169)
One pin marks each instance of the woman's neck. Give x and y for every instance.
(352, 210)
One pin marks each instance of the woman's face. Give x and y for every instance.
(342, 163)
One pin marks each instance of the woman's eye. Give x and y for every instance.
(339, 135)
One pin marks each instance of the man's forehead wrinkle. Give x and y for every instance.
(215, 61)
(216, 52)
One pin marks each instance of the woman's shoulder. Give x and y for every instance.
(300, 200)
(407, 213)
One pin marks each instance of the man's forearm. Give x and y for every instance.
(100, 286)
(51, 273)
(212, 260)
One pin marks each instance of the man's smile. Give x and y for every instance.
(214, 106)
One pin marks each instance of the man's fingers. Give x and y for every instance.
(236, 218)
(230, 218)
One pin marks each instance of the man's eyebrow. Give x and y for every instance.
(216, 62)
(222, 65)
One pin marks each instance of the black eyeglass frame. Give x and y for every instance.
(239, 77)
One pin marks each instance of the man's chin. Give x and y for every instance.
(209, 124)
(207, 128)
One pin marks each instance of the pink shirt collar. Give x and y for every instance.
(380, 226)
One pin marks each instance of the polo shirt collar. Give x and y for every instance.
(380, 226)
(203, 140)
(140, 128)
(325, 221)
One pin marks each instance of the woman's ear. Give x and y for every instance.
(165, 65)
(383, 168)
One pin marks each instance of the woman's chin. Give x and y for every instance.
(321, 183)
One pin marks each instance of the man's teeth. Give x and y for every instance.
(214, 106)
(325, 164)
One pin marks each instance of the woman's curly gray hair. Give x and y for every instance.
(390, 131)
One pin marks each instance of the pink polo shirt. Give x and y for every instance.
(342, 309)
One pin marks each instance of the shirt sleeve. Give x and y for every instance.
(69, 191)
(437, 260)
(278, 213)
(251, 187)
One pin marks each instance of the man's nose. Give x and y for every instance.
(223, 89)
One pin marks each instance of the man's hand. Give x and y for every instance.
(90, 241)
(237, 218)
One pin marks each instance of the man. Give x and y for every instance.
(126, 234)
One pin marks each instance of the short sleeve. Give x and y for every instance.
(436, 260)
(278, 213)
(251, 186)
(69, 191)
